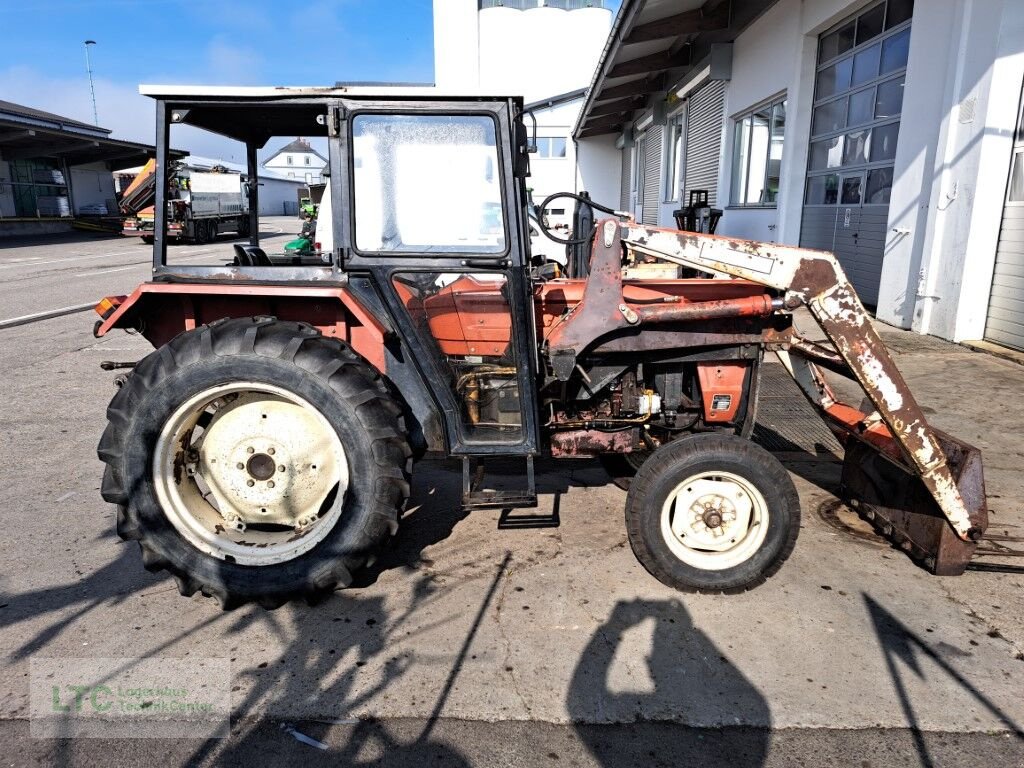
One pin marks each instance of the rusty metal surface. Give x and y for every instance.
(903, 510)
(604, 310)
(815, 279)
(591, 442)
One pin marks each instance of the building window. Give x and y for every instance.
(551, 146)
(858, 102)
(288, 159)
(306, 159)
(674, 161)
(757, 154)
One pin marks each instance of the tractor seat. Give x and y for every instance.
(258, 256)
(242, 257)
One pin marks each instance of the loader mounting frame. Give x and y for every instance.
(896, 432)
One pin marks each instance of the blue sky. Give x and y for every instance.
(222, 42)
(213, 42)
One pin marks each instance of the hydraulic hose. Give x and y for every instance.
(580, 198)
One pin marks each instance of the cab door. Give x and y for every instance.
(435, 220)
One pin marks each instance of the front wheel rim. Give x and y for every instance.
(250, 473)
(714, 520)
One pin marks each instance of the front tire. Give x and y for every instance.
(256, 461)
(712, 513)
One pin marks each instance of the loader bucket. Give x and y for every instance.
(895, 500)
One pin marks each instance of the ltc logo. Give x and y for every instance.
(77, 694)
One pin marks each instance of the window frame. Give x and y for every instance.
(546, 141)
(770, 104)
(427, 256)
(846, 95)
(674, 167)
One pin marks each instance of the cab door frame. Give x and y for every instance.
(379, 268)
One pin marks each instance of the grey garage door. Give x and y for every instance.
(1005, 323)
(858, 101)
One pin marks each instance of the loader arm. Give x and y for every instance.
(816, 280)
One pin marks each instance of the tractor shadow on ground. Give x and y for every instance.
(821, 466)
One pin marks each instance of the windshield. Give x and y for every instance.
(427, 183)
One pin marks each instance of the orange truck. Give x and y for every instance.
(200, 204)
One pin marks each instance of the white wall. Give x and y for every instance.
(777, 54)
(966, 57)
(274, 192)
(298, 168)
(456, 45)
(548, 175)
(535, 53)
(92, 184)
(952, 165)
(598, 164)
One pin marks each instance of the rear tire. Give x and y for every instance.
(147, 239)
(157, 467)
(712, 513)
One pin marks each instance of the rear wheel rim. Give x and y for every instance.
(250, 473)
(714, 520)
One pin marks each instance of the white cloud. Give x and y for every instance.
(121, 107)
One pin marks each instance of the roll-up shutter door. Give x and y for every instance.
(1005, 324)
(652, 175)
(624, 183)
(705, 116)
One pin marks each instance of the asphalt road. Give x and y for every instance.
(469, 645)
(48, 273)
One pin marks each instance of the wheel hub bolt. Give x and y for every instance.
(260, 466)
(712, 519)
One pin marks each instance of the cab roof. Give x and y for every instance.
(255, 114)
(361, 90)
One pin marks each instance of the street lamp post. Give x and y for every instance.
(92, 90)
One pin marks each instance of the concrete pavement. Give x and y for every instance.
(850, 655)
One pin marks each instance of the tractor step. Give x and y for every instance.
(472, 498)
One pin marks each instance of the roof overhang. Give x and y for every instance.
(654, 46)
(18, 142)
(554, 101)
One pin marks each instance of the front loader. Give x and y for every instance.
(263, 451)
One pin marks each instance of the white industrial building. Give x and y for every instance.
(297, 160)
(54, 169)
(887, 131)
(542, 50)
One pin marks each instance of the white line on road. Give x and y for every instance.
(115, 269)
(62, 260)
(45, 315)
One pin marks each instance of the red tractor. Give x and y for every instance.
(263, 451)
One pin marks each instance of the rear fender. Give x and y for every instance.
(160, 311)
